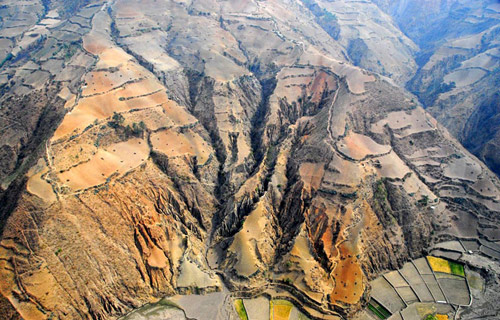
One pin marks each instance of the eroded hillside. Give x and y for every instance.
(458, 72)
(158, 147)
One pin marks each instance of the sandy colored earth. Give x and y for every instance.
(358, 147)
(116, 159)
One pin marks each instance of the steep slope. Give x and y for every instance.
(459, 61)
(369, 36)
(185, 155)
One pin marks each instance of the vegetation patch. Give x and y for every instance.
(240, 309)
(457, 269)
(423, 201)
(439, 264)
(280, 309)
(69, 50)
(436, 317)
(117, 123)
(381, 200)
(327, 20)
(445, 266)
(170, 304)
(378, 310)
(303, 317)
(7, 58)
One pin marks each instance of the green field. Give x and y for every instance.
(457, 268)
(446, 266)
(240, 309)
(378, 310)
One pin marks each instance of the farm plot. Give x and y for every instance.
(378, 310)
(348, 276)
(257, 308)
(357, 146)
(342, 172)
(280, 309)
(411, 274)
(261, 308)
(117, 159)
(37, 185)
(240, 309)
(175, 144)
(423, 289)
(445, 266)
(404, 123)
(455, 288)
(385, 294)
(463, 168)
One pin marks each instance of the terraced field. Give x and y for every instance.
(424, 286)
(278, 310)
(118, 94)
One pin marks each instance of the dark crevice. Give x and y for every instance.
(48, 121)
(258, 122)
(324, 18)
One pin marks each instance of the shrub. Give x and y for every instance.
(116, 121)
